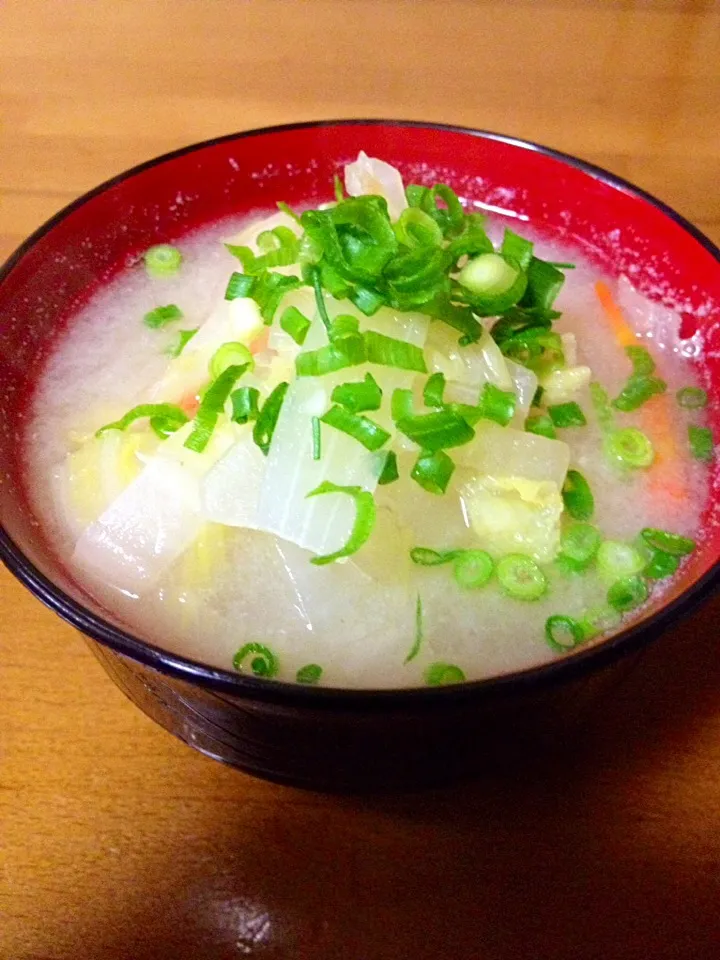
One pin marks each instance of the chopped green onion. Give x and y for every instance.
(629, 447)
(443, 675)
(472, 240)
(637, 391)
(182, 339)
(580, 542)
(268, 417)
(544, 282)
(309, 674)
(239, 285)
(358, 397)
(162, 260)
(370, 434)
(211, 406)
(228, 355)
(284, 208)
(577, 496)
(389, 352)
(365, 514)
(642, 363)
(537, 397)
(496, 404)
(627, 594)
(494, 283)
(567, 415)
(434, 390)
(338, 189)
(417, 643)
(603, 408)
(599, 620)
(672, 543)
(701, 443)
(244, 404)
(320, 298)
(541, 425)
(616, 560)
(692, 398)
(389, 473)
(660, 565)
(165, 418)
(563, 633)
(472, 568)
(538, 349)
(427, 557)
(316, 438)
(432, 471)
(263, 662)
(295, 324)
(279, 248)
(436, 431)
(367, 301)
(401, 404)
(517, 248)
(415, 228)
(520, 577)
(161, 316)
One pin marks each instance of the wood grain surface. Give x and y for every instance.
(117, 841)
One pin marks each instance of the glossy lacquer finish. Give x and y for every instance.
(316, 737)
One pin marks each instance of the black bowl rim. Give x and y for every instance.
(295, 695)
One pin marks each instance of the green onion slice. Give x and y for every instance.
(692, 398)
(629, 447)
(599, 620)
(660, 565)
(389, 352)
(563, 633)
(389, 473)
(427, 557)
(443, 675)
(309, 674)
(211, 406)
(520, 577)
(580, 542)
(472, 568)
(541, 425)
(415, 228)
(295, 324)
(432, 471)
(358, 397)
(239, 285)
(701, 443)
(162, 316)
(417, 643)
(436, 431)
(493, 283)
(672, 543)
(165, 418)
(617, 560)
(637, 391)
(268, 417)
(316, 439)
(162, 260)
(602, 406)
(401, 404)
(434, 390)
(228, 355)
(577, 496)
(642, 363)
(627, 594)
(497, 405)
(183, 337)
(260, 659)
(370, 434)
(517, 248)
(365, 514)
(567, 415)
(245, 404)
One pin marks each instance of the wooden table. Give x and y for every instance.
(117, 841)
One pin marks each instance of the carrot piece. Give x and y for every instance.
(668, 475)
(260, 342)
(189, 404)
(624, 333)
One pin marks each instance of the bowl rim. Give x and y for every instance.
(285, 693)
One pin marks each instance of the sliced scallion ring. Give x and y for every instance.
(520, 577)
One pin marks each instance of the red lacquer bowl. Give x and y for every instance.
(314, 736)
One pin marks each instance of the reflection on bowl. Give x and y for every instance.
(325, 737)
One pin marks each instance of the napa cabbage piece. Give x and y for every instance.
(512, 514)
(237, 321)
(154, 520)
(368, 175)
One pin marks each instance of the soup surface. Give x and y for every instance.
(414, 486)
